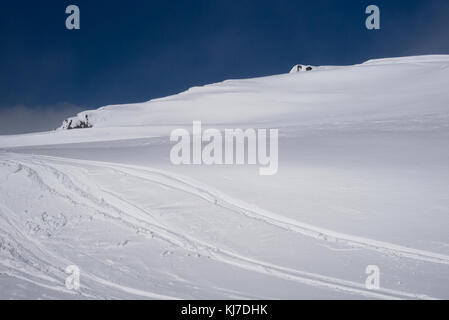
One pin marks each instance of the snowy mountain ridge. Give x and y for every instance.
(318, 96)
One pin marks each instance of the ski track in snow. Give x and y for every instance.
(213, 196)
(64, 183)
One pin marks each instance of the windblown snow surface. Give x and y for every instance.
(363, 180)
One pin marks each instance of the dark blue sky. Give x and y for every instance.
(132, 51)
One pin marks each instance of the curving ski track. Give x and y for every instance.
(65, 184)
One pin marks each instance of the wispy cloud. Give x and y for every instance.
(23, 119)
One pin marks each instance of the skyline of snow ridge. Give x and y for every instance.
(147, 50)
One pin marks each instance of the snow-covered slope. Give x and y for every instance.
(363, 179)
(376, 90)
(372, 92)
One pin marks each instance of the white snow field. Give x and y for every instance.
(363, 180)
